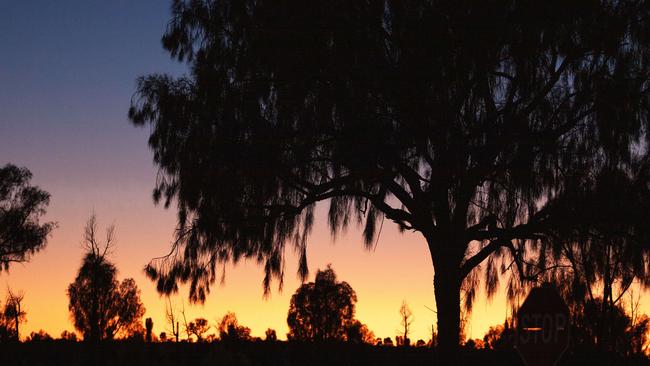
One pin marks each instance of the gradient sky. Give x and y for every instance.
(67, 74)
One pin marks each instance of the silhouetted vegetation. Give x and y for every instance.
(499, 337)
(464, 122)
(148, 324)
(13, 314)
(356, 332)
(270, 335)
(230, 330)
(198, 328)
(599, 260)
(513, 136)
(21, 208)
(68, 336)
(323, 310)
(598, 326)
(265, 354)
(172, 319)
(100, 306)
(40, 336)
(406, 318)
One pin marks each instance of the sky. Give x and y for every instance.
(67, 75)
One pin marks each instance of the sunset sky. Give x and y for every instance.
(67, 75)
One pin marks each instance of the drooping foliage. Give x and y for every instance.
(463, 121)
(604, 251)
(613, 330)
(21, 208)
(606, 245)
(322, 310)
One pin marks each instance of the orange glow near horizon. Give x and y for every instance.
(68, 76)
(399, 268)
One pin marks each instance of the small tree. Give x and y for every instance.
(100, 306)
(21, 208)
(399, 341)
(68, 336)
(13, 311)
(406, 316)
(499, 337)
(149, 327)
(40, 336)
(172, 319)
(198, 328)
(358, 333)
(270, 335)
(6, 328)
(230, 330)
(321, 310)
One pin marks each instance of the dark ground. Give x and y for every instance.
(260, 353)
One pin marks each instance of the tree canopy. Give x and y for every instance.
(465, 122)
(198, 327)
(611, 239)
(322, 310)
(230, 330)
(101, 307)
(21, 207)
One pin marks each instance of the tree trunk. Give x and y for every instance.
(446, 282)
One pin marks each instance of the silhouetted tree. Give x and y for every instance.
(358, 333)
(622, 334)
(149, 326)
(638, 336)
(172, 318)
(163, 336)
(198, 328)
(270, 335)
(40, 336)
(13, 311)
(230, 330)
(601, 255)
(388, 342)
(406, 318)
(399, 341)
(464, 122)
(7, 332)
(100, 306)
(321, 310)
(68, 336)
(474, 344)
(499, 337)
(21, 208)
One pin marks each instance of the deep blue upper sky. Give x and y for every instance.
(67, 73)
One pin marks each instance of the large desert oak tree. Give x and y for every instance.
(463, 121)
